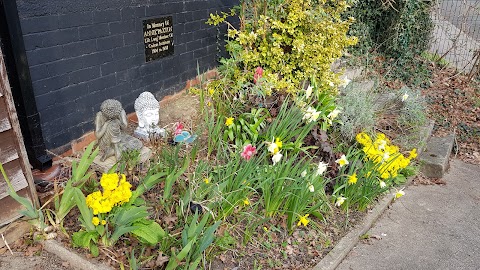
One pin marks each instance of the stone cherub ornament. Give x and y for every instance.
(110, 124)
(148, 114)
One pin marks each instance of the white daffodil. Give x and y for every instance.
(311, 115)
(382, 144)
(304, 173)
(345, 82)
(322, 167)
(276, 158)
(385, 156)
(404, 97)
(399, 194)
(308, 92)
(340, 200)
(311, 188)
(272, 147)
(382, 184)
(342, 161)
(333, 114)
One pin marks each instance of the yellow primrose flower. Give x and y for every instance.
(303, 220)
(352, 179)
(342, 161)
(206, 180)
(109, 181)
(246, 202)
(229, 121)
(399, 194)
(103, 222)
(95, 221)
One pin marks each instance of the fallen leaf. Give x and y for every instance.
(161, 260)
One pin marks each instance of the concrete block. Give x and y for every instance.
(75, 19)
(105, 166)
(93, 31)
(44, 55)
(435, 158)
(108, 15)
(39, 24)
(110, 42)
(79, 48)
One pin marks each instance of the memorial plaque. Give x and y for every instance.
(158, 37)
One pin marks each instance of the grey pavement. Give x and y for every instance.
(431, 227)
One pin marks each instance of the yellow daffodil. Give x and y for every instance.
(246, 202)
(229, 121)
(95, 221)
(206, 180)
(278, 142)
(303, 220)
(399, 194)
(412, 154)
(103, 222)
(352, 179)
(342, 161)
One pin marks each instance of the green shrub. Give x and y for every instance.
(292, 41)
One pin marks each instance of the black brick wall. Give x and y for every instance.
(81, 52)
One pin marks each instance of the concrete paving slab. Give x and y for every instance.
(431, 227)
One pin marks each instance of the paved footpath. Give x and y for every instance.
(431, 227)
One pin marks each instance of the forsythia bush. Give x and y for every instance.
(288, 42)
(380, 151)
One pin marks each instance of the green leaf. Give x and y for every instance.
(85, 211)
(149, 232)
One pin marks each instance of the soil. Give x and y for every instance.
(454, 104)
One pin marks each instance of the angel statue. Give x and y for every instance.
(110, 124)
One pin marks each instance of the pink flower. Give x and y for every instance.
(248, 151)
(258, 74)
(178, 128)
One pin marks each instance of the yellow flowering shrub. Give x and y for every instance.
(386, 155)
(291, 44)
(116, 191)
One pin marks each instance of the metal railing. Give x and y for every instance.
(456, 35)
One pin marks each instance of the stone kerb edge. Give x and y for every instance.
(75, 260)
